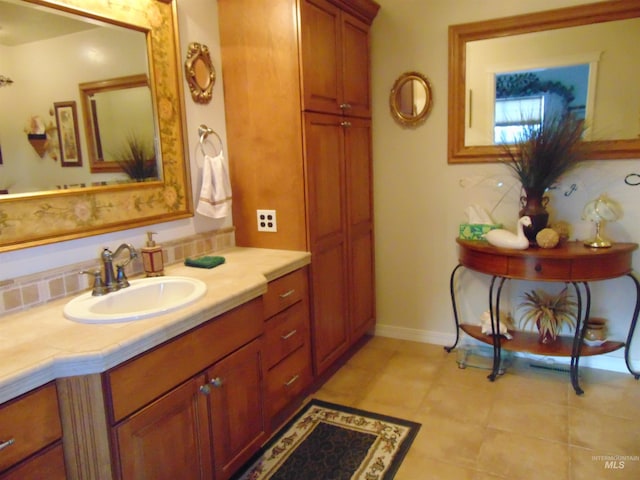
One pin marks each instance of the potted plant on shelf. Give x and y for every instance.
(550, 313)
(540, 155)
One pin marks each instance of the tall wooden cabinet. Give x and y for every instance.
(297, 99)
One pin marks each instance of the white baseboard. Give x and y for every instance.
(613, 361)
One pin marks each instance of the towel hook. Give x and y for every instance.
(203, 132)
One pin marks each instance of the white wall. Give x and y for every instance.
(197, 23)
(420, 199)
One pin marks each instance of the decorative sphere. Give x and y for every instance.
(547, 238)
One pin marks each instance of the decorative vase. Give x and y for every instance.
(596, 331)
(534, 205)
(545, 337)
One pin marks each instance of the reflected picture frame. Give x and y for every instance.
(68, 135)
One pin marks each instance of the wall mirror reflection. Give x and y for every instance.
(50, 47)
(49, 53)
(590, 53)
(119, 126)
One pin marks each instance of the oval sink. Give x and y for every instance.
(144, 298)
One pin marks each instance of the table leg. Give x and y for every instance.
(495, 328)
(452, 291)
(632, 327)
(581, 324)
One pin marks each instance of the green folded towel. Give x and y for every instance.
(204, 262)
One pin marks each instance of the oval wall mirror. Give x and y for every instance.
(201, 76)
(411, 99)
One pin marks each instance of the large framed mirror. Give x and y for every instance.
(602, 40)
(45, 202)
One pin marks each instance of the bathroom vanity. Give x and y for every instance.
(201, 388)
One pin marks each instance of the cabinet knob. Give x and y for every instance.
(345, 124)
(216, 382)
(538, 268)
(8, 443)
(205, 389)
(345, 106)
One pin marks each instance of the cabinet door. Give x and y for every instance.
(356, 67)
(237, 408)
(324, 153)
(335, 60)
(168, 439)
(320, 32)
(48, 464)
(359, 181)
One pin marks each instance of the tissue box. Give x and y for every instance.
(474, 231)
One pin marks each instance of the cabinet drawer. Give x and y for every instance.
(286, 332)
(284, 292)
(32, 421)
(539, 268)
(49, 465)
(143, 379)
(287, 380)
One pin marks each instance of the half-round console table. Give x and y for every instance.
(571, 263)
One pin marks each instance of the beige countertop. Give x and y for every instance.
(40, 344)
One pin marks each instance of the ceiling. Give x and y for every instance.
(23, 23)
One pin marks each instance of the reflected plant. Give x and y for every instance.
(137, 159)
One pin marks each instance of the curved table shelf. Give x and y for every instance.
(571, 263)
(528, 342)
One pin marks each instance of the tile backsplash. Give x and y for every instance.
(25, 292)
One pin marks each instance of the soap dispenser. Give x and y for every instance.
(152, 257)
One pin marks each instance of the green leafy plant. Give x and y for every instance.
(549, 313)
(137, 159)
(542, 154)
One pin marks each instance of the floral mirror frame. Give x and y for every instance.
(28, 220)
(411, 99)
(200, 73)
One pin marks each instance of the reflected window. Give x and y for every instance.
(524, 98)
(516, 116)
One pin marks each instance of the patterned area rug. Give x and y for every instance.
(326, 441)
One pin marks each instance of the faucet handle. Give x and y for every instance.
(98, 286)
(121, 278)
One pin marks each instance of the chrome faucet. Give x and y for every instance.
(113, 279)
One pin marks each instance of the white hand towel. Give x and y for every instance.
(215, 195)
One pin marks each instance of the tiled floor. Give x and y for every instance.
(528, 424)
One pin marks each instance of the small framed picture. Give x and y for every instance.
(68, 135)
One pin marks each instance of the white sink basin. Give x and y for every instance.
(144, 298)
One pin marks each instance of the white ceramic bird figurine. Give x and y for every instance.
(506, 239)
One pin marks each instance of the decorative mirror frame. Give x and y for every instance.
(197, 58)
(28, 220)
(460, 35)
(396, 112)
(87, 89)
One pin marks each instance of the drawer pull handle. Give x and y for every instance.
(345, 124)
(538, 268)
(289, 335)
(293, 380)
(8, 443)
(287, 294)
(345, 106)
(205, 389)
(216, 382)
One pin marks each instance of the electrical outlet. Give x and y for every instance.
(267, 221)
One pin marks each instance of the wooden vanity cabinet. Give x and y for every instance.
(305, 149)
(30, 437)
(287, 344)
(191, 408)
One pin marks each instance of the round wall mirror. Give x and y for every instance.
(411, 99)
